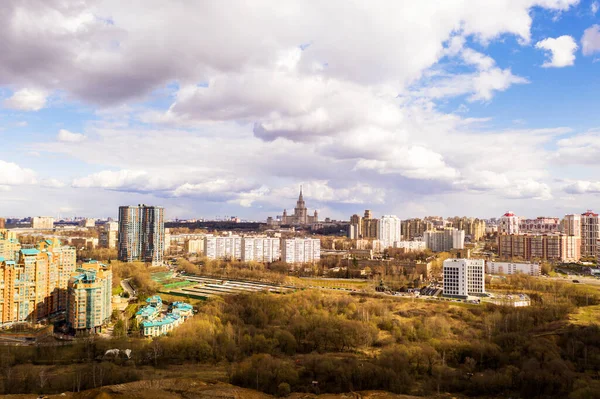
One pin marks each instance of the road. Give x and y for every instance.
(128, 288)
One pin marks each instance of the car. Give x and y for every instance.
(576, 281)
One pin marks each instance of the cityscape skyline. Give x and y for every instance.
(470, 116)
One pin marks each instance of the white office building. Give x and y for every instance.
(261, 249)
(532, 269)
(444, 239)
(464, 277)
(389, 230)
(300, 250)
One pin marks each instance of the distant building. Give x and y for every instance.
(90, 297)
(444, 239)
(84, 242)
(109, 235)
(532, 269)
(571, 225)
(229, 247)
(539, 225)
(464, 277)
(9, 245)
(261, 249)
(415, 228)
(365, 227)
(2, 223)
(508, 224)
(141, 234)
(389, 230)
(42, 223)
(300, 216)
(88, 223)
(473, 228)
(529, 247)
(590, 233)
(411, 246)
(194, 246)
(300, 250)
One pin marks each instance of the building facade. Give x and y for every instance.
(444, 239)
(415, 228)
(229, 247)
(589, 234)
(508, 224)
(89, 297)
(411, 246)
(9, 245)
(531, 269)
(261, 249)
(530, 247)
(474, 228)
(194, 246)
(539, 225)
(42, 222)
(34, 282)
(571, 225)
(109, 235)
(464, 277)
(390, 230)
(300, 250)
(141, 234)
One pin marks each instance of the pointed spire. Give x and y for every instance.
(300, 197)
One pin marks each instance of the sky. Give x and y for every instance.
(215, 109)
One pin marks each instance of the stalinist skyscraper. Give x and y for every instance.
(300, 216)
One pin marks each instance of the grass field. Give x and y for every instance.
(586, 315)
(330, 283)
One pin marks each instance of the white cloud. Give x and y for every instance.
(252, 113)
(562, 51)
(594, 7)
(66, 136)
(583, 187)
(590, 42)
(12, 174)
(27, 100)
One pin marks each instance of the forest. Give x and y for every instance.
(319, 341)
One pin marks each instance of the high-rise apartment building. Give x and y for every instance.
(34, 283)
(390, 230)
(42, 222)
(228, 247)
(571, 225)
(261, 249)
(463, 277)
(89, 297)
(109, 236)
(589, 234)
(444, 239)
(300, 250)
(9, 245)
(415, 228)
(141, 234)
(474, 228)
(528, 247)
(508, 224)
(365, 227)
(2, 223)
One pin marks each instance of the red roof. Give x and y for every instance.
(589, 213)
(509, 214)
